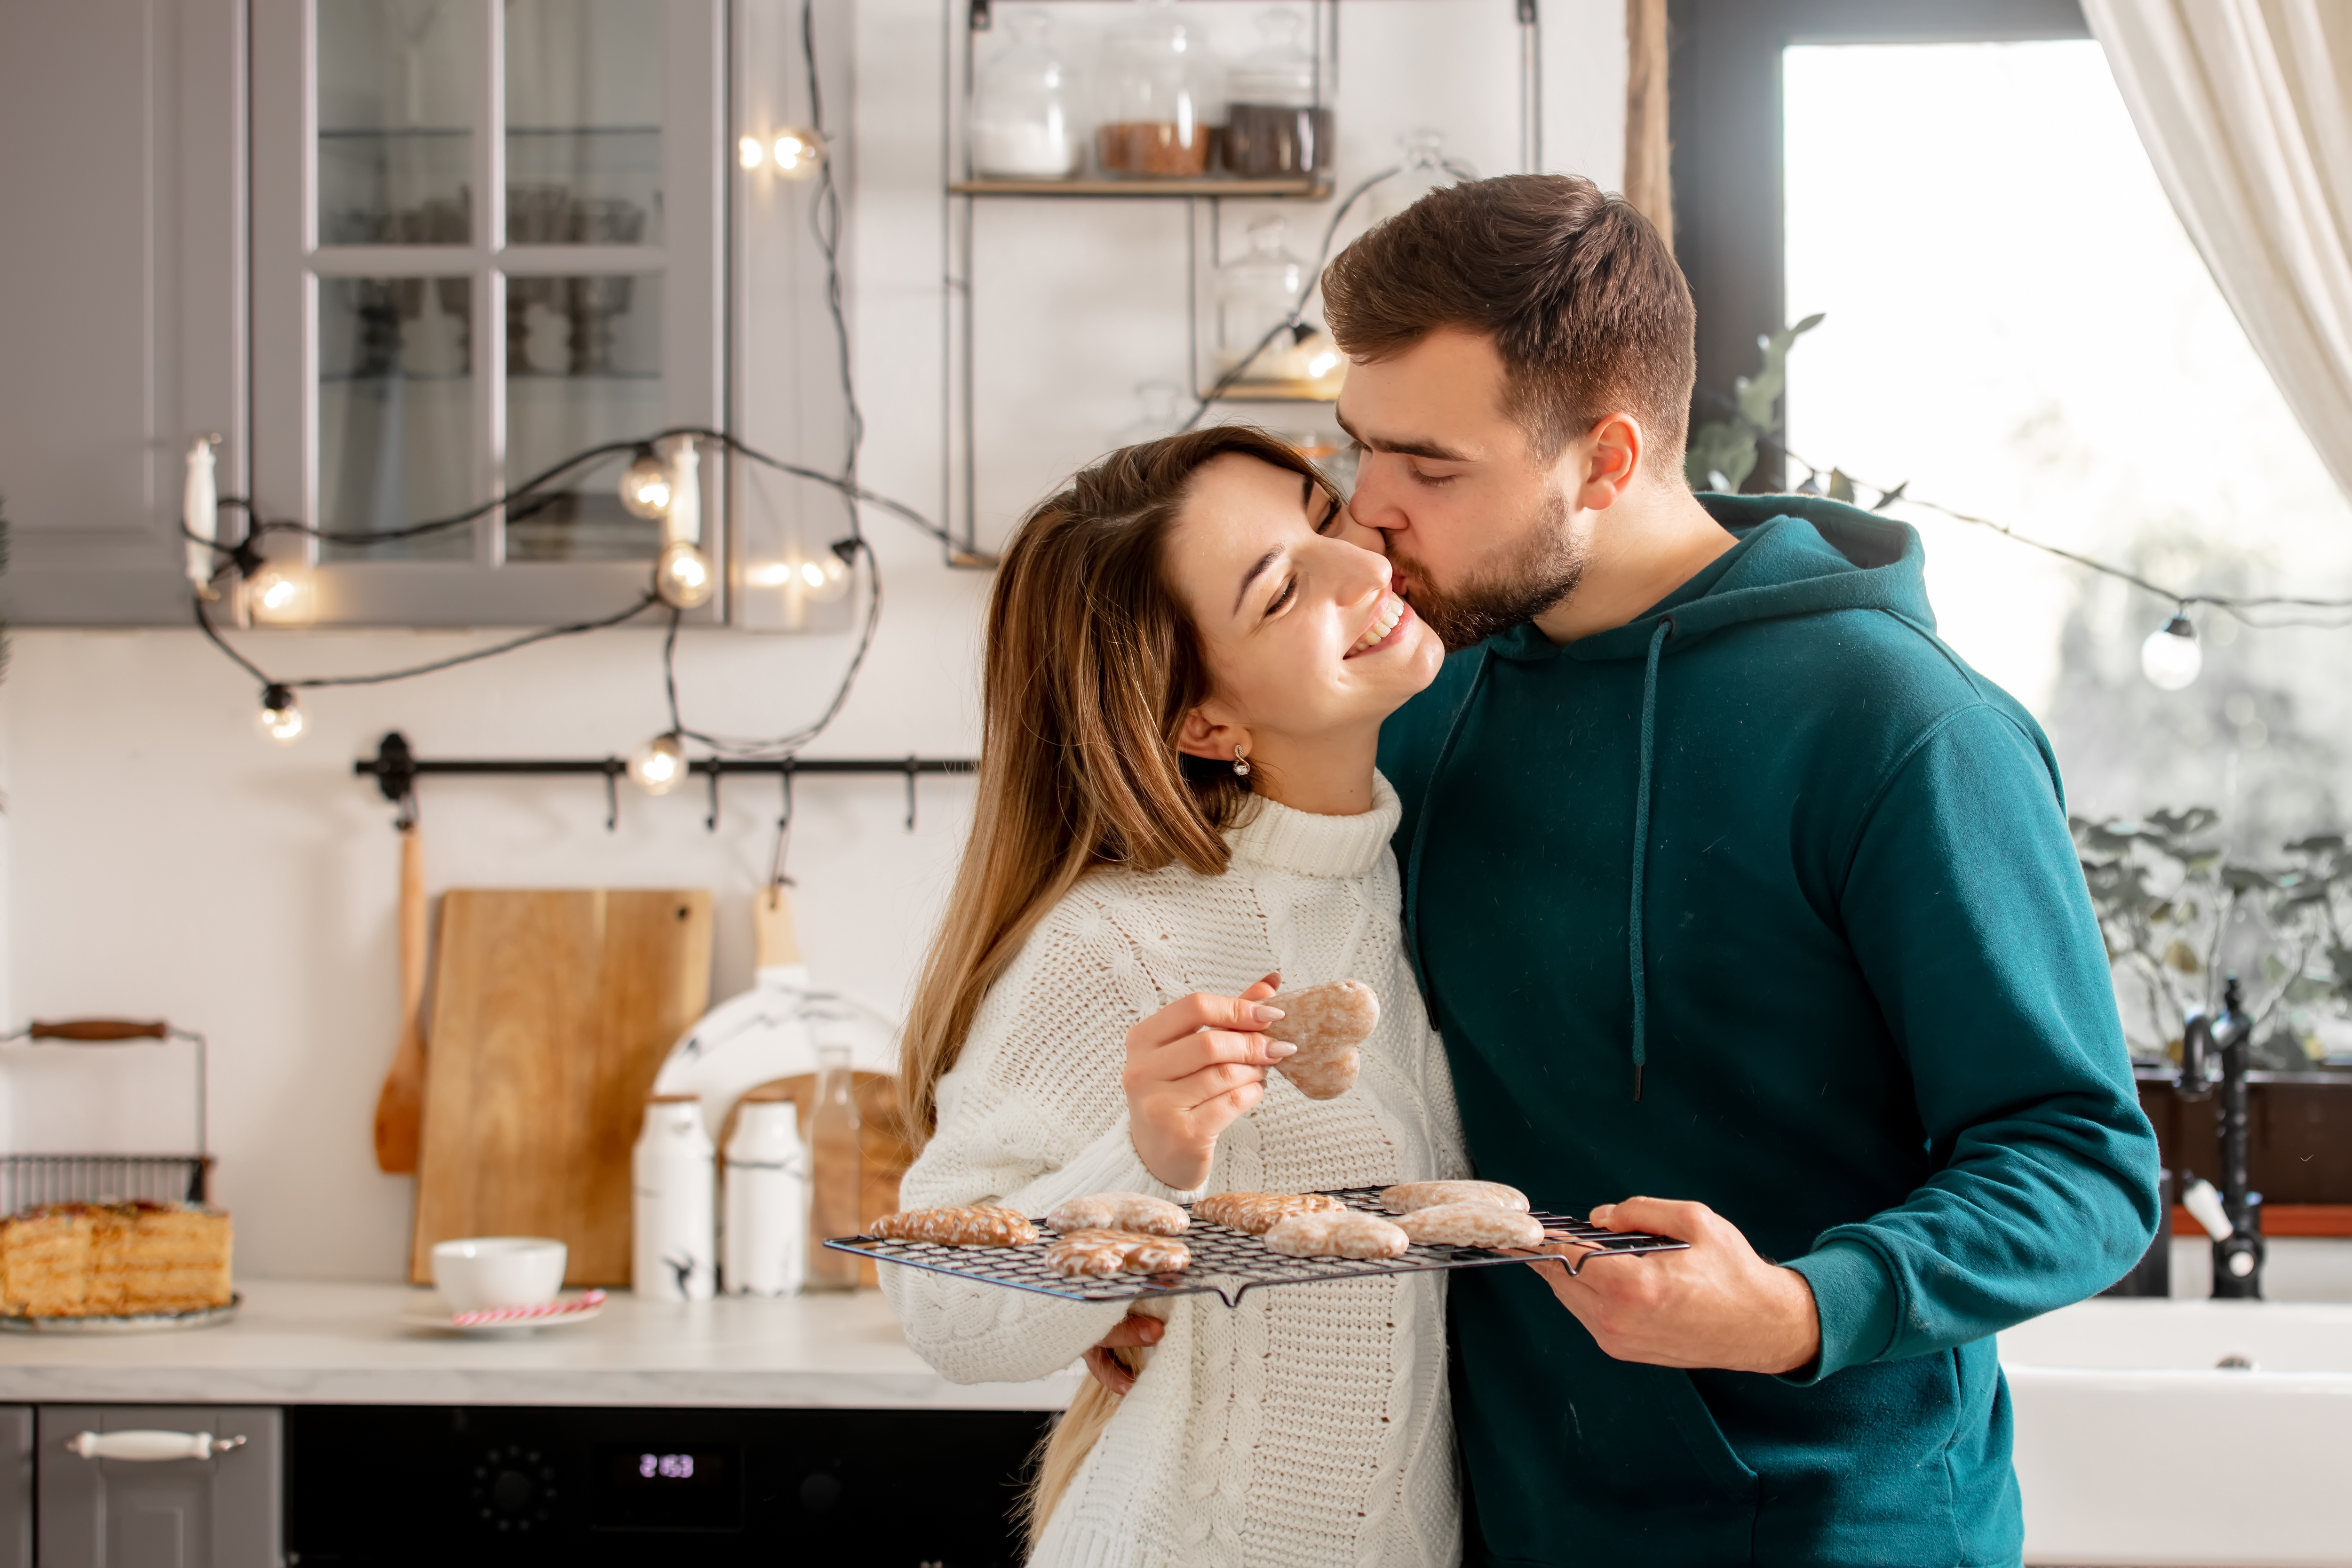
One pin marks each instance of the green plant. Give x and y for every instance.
(2179, 915)
(1722, 452)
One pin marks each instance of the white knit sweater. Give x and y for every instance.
(1309, 1425)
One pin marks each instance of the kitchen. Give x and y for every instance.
(165, 860)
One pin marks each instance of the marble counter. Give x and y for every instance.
(311, 1342)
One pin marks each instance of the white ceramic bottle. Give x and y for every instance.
(767, 1201)
(672, 1251)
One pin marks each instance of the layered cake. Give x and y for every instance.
(113, 1260)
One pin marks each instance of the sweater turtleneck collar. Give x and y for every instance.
(1284, 839)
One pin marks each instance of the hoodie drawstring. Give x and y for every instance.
(1634, 956)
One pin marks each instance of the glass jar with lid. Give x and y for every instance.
(1162, 97)
(1027, 123)
(1258, 347)
(1274, 128)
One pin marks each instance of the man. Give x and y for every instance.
(1726, 881)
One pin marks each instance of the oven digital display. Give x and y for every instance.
(668, 1486)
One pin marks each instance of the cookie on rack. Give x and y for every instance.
(1346, 1234)
(1471, 1225)
(1099, 1254)
(1118, 1211)
(983, 1225)
(1326, 1023)
(1408, 1196)
(1257, 1212)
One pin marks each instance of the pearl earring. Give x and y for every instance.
(1240, 763)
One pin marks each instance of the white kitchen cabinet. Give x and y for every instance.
(224, 1512)
(487, 235)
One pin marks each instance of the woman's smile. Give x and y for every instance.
(1389, 618)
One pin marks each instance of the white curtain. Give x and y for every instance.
(2242, 105)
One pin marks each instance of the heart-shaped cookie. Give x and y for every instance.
(1326, 1023)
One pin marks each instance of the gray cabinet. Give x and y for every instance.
(217, 1512)
(16, 1486)
(124, 315)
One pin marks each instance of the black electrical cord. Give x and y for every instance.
(543, 634)
(787, 745)
(825, 226)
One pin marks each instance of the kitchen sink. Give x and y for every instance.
(2155, 1433)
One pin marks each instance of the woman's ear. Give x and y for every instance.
(1203, 734)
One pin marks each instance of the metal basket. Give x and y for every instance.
(1229, 1264)
(29, 1181)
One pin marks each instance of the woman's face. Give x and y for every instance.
(1304, 641)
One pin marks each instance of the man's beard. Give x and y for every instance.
(1544, 570)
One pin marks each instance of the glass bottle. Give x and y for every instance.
(833, 1193)
(1426, 169)
(1273, 129)
(1024, 109)
(1162, 97)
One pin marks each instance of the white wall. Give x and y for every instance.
(163, 859)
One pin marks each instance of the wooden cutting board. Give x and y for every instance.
(552, 1013)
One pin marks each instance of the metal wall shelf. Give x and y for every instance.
(1253, 190)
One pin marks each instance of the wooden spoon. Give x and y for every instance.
(400, 1108)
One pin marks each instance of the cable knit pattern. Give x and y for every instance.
(1309, 1425)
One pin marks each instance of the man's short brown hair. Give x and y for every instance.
(1581, 296)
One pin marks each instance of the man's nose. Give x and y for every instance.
(1374, 503)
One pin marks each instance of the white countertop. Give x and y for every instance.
(311, 1342)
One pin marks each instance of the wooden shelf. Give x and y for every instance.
(1265, 190)
(2282, 1219)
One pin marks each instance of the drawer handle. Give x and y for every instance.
(150, 1446)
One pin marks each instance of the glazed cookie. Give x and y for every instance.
(1256, 1212)
(1347, 1234)
(1413, 1196)
(1326, 1023)
(979, 1227)
(1099, 1254)
(1471, 1225)
(1118, 1211)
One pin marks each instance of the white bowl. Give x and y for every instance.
(482, 1273)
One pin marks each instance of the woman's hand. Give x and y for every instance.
(1193, 1068)
(1113, 1371)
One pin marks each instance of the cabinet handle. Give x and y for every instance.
(148, 1447)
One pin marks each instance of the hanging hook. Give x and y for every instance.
(710, 823)
(910, 793)
(612, 793)
(776, 877)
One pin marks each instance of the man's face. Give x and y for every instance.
(1481, 534)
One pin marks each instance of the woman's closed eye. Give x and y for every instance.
(1282, 597)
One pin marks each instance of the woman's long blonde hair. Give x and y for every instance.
(1092, 665)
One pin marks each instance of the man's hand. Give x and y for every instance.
(1193, 1068)
(1718, 1305)
(1134, 1331)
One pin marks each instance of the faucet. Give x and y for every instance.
(2238, 1249)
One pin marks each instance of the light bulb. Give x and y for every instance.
(280, 593)
(798, 152)
(659, 766)
(682, 575)
(751, 151)
(281, 720)
(2170, 657)
(644, 487)
(824, 579)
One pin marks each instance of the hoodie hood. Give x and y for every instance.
(1797, 555)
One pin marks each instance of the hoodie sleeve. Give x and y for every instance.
(1965, 908)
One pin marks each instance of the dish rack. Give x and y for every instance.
(28, 1181)
(1229, 1263)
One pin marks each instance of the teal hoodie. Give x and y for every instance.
(1767, 899)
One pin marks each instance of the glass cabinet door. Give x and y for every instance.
(486, 239)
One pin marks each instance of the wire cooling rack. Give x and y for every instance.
(1229, 1263)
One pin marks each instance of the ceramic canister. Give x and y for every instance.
(673, 1249)
(766, 1248)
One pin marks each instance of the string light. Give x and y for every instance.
(659, 766)
(281, 720)
(2170, 657)
(798, 152)
(682, 575)
(645, 485)
(751, 151)
(281, 593)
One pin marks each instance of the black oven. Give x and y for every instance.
(443, 1485)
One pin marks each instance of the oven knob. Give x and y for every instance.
(513, 1487)
(820, 1492)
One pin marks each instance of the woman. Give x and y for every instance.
(1184, 686)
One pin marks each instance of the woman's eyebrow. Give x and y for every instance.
(1258, 569)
